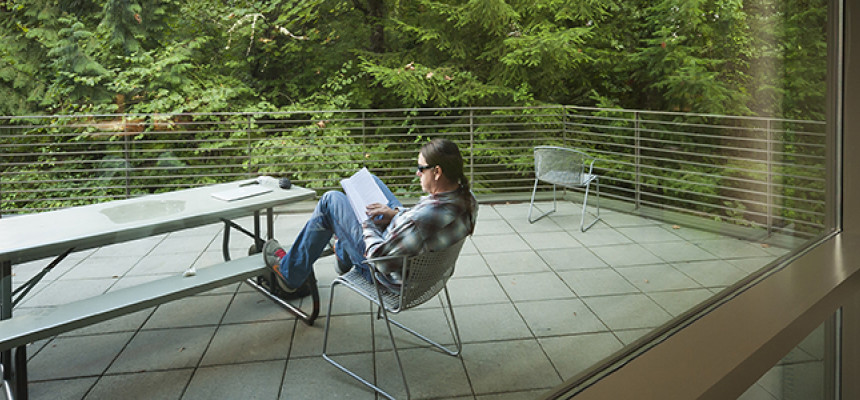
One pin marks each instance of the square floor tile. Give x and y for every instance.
(429, 373)
(493, 227)
(250, 306)
(488, 212)
(536, 286)
(716, 273)
(750, 265)
(678, 251)
(490, 322)
(692, 234)
(163, 349)
(515, 262)
(476, 290)
(347, 334)
(66, 389)
(517, 395)
(513, 211)
(681, 301)
(77, 356)
(732, 248)
(574, 354)
(652, 278)
(66, 291)
(260, 380)
(139, 247)
(430, 322)
(567, 259)
(491, 369)
(619, 219)
(126, 323)
(648, 234)
(258, 341)
(471, 265)
(102, 267)
(628, 311)
(559, 317)
(522, 225)
(185, 244)
(601, 237)
(315, 378)
(499, 243)
(189, 311)
(550, 240)
(142, 385)
(628, 336)
(626, 254)
(169, 264)
(597, 282)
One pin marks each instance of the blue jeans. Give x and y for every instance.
(332, 215)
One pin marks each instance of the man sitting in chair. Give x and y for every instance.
(441, 218)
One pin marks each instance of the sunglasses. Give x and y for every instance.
(422, 168)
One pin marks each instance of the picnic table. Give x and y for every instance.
(55, 234)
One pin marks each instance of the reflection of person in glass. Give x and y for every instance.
(441, 218)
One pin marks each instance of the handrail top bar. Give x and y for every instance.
(406, 110)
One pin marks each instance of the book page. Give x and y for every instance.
(361, 189)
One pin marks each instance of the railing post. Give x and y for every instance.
(769, 142)
(472, 146)
(637, 160)
(127, 166)
(564, 125)
(250, 147)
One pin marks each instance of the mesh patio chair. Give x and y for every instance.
(424, 276)
(568, 168)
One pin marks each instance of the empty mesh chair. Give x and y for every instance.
(568, 168)
(424, 276)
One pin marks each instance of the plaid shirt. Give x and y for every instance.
(436, 222)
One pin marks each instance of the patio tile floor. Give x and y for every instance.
(536, 303)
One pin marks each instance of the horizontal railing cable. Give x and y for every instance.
(744, 170)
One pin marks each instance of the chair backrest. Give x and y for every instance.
(426, 274)
(562, 166)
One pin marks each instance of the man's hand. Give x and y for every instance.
(380, 214)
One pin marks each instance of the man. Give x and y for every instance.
(441, 218)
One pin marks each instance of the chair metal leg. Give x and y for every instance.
(452, 326)
(582, 226)
(347, 370)
(534, 191)
(455, 332)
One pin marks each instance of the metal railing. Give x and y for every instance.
(759, 172)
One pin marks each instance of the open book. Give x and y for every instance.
(361, 189)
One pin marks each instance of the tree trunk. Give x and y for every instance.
(375, 15)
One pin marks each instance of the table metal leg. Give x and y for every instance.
(14, 368)
(21, 392)
(298, 312)
(255, 283)
(6, 312)
(258, 240)
(270, 223)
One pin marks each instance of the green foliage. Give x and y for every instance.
(726, 57)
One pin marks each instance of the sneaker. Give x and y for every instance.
(329, 248)
(342, 266)
(272, 255)
(273, 252)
